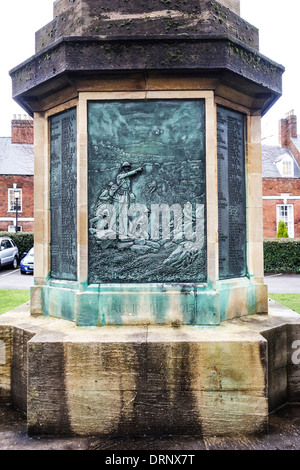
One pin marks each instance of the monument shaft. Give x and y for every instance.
(148, 210)
(154, 162)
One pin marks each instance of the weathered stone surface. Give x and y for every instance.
(233, 5)
(143, 379)
(61, 6)
(200, 37)
(147, 18)
(72, 56)
(283, 434)
(135, 383)
(189, 364)
(19, 368)
(47, 401)
(281, 330)
(152, 380)
(277, 365)
(5, 362)
(293, 362)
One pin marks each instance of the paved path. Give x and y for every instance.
(283, 283)
(284, 434)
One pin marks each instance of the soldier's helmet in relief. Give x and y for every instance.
(126, 165)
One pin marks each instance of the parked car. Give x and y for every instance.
(9, 253)
(27, 263)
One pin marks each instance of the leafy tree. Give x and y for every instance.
(282, 231)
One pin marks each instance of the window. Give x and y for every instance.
(5, 244)
(287, 168)
(12, 200)
(285, 165)
(285, 212)
(12, 228)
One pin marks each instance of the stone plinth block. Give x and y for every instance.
(136, 380)
(5, 362)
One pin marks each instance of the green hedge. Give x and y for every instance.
(23, 240)
(282, 255)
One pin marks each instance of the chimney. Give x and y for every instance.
(287, 129)
(21, 130)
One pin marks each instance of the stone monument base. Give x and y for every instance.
(158, 380)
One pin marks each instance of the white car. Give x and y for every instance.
(9, 253)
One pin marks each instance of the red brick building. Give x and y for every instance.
(281, 180)
(16, 176)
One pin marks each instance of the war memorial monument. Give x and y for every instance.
(149, 312)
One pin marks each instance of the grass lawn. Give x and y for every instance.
(291, 301)
(12, 298)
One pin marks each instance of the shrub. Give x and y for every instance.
(282, 255)
(282, 230)
(23, 240)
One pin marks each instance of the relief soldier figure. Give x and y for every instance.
(110, 202)
(124, 182)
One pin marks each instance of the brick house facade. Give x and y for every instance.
(281, 180)
(16, 174)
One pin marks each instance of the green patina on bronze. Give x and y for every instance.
(160, 146)
(151, 153)
(63, 194)
(231, 194)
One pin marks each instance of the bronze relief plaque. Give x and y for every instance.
(146, 187)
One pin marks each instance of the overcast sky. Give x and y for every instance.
(277, 21)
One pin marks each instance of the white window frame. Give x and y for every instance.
(12, 228)
(10, 191)
(288, 218)
(287, 168)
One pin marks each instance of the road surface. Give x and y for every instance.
(277, 283)
(283, 283)
(13, 279)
